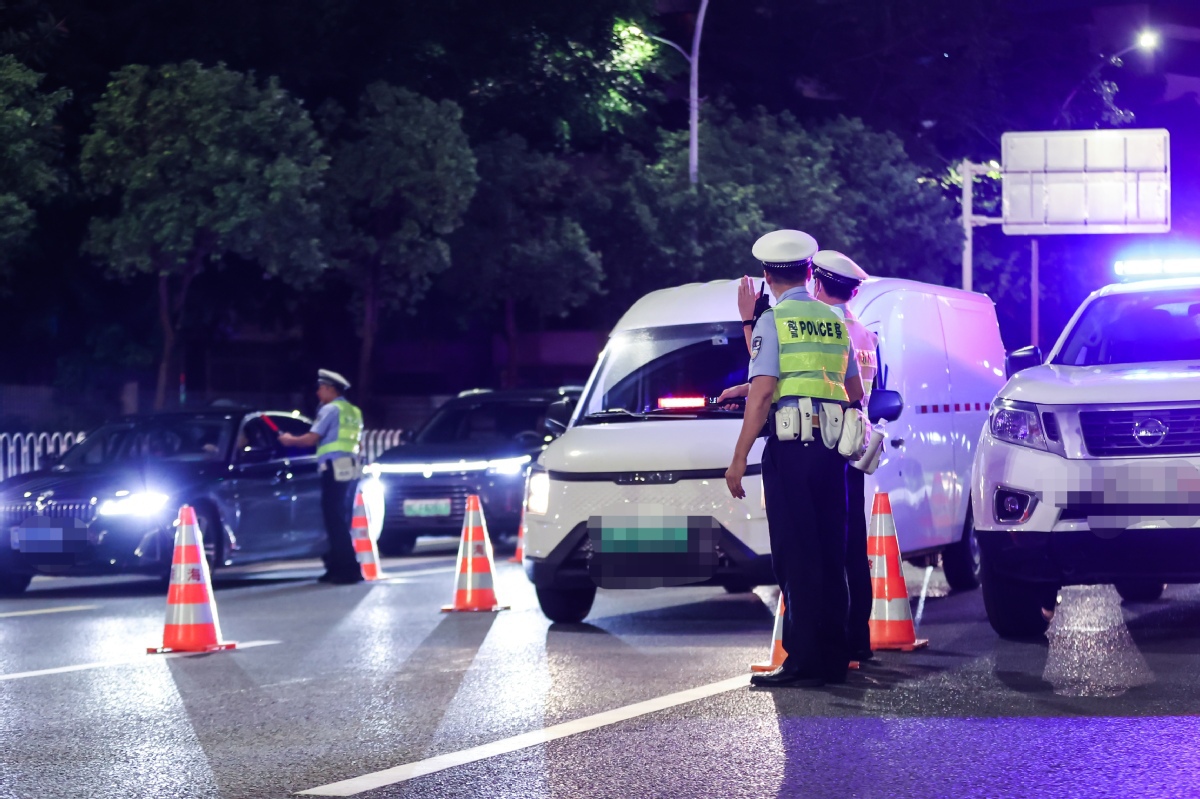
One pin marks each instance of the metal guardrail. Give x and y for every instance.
(24, 452)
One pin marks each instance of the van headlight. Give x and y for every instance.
(1017, 423)
(537, 492)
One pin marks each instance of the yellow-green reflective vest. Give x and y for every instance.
(350, 425)
(814, 350)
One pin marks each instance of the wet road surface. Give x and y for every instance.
(348, 683)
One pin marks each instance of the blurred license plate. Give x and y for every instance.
(427, 507)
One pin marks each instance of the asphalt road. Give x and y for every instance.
(373, 685)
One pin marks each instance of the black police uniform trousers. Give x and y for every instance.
(805, 485)
(337, 506)
(858, 565)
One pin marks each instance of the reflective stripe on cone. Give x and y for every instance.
(778, 653)
(366, 551)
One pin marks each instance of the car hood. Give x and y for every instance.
(1054, 384)
(654, 445)
(83, 484)
(452, 453)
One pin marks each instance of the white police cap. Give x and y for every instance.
(331, 378)
(785, 248)
(833, 265)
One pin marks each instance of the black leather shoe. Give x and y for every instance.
(863, 656)
(781, 678)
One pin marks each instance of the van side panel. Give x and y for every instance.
(976, 359)
(918, 467)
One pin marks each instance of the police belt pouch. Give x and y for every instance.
(792, 422)
(832, 416)
(856, 432)
(345, 468)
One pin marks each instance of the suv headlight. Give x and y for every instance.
(1017, 423)
(537, 492)
(508, 467)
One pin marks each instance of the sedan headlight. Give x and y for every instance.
(1017, 423)
(537, 493)
(144, 503)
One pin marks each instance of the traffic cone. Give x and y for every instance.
(192, 624)
(891, 618)
(365, 550)
(519, 555)
(778, 653)
(473, 587)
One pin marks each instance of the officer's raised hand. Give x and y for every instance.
(746, 298)
(733, 477)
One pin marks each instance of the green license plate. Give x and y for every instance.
(426, 507)
(629, 534)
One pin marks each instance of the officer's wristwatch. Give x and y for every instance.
(748, 323)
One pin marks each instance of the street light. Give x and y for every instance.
(693, 89)
(1147, 41)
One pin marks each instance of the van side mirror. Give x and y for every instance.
(885, 404)
(558, 416)
(1022, 359)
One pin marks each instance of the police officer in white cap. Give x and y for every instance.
(836, 279)
(336, 434)
(803, 373)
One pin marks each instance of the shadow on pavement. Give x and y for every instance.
(721, 614)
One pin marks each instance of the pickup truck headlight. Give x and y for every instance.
(1017, 423)
(537, 492)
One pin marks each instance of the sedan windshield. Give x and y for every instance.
(168, 439)
(667, 368)
(489, 422)
(1136, 328)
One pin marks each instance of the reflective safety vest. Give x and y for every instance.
(814, 351)
(865, 343)
(350, 426)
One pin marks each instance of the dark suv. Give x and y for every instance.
(481, 442)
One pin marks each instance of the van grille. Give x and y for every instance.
(1112, 433)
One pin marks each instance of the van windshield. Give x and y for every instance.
(641, 368)
(1136, 328)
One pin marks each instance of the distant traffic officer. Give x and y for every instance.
(803, 373)
(836, 279)
(336, 434)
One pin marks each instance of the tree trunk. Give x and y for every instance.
(168, 342)
(510, 333)
(370, 324)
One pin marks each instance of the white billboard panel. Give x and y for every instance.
(1086, 181)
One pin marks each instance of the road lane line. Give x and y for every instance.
(420, 768)
(138, 659)
(64, 609)
(449, 569)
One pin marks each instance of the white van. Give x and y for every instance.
(633, 494)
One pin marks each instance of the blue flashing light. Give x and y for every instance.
(1157, 267)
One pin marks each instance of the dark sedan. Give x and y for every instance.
(109, 504)
(480, 442)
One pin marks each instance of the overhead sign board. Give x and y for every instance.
(1086, 181)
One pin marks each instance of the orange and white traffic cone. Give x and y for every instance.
(891, 618)
(365, 550)
(778, 653)
(519, 555)
(473, 587)
(192, 624)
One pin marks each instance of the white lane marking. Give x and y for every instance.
(64, 609)
(418, 573)
(408, 771)
(138, 659)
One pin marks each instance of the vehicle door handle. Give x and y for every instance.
(897, 443)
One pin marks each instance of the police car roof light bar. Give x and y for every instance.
(1156, 267)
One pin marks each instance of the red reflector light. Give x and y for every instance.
(675, 403)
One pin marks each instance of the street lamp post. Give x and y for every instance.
(693, 90)
(1147, 41)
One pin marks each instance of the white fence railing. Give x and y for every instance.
(25, 452)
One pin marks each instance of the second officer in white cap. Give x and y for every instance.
(803, 373)
(336, 434)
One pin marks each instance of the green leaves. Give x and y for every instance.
(30, 148)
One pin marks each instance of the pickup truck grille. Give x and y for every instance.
(1165, 431)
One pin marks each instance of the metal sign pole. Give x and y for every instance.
(968, 185)
(1034, 290)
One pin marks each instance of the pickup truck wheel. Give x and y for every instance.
(396, 545)
(566, 605)
(960, 560)
(13, 584)
(1140, 590)
(1015, 608)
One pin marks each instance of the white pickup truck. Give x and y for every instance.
(1088, 470)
